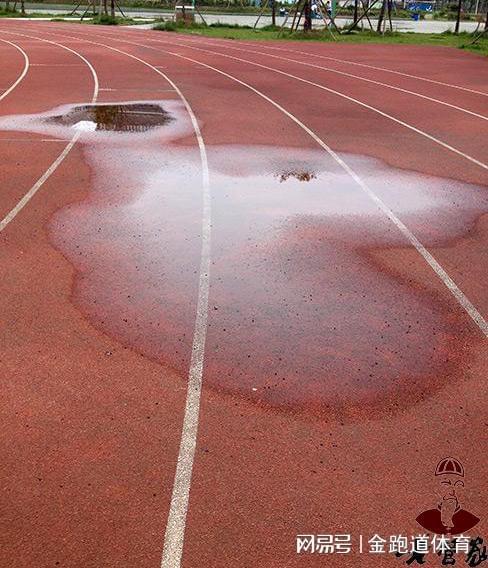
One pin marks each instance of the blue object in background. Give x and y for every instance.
(420, 6)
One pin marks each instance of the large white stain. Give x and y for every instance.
(299, 312)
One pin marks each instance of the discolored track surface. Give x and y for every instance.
(338, 366)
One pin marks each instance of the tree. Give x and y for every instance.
(381, 16)
(307, 12)
(458, 16)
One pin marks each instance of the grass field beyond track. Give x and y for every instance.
(462, 40)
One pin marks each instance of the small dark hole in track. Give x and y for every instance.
(300, 175)
(136, 117)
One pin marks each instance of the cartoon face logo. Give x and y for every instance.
(448, 517)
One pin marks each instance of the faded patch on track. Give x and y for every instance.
(316, 303)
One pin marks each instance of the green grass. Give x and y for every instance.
(448, 39)
(107, 20)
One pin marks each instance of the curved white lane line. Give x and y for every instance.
(456, 292)
(352, 76)
(54, 166)
(175, 529)
(417, 77)
(225, 43)
(339, 94)
(319, 86)
(461, 298)
(24, 71)
(176, 523)
(178, 510)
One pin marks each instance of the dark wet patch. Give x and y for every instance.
(300, 175)
(138, 117)
(317, 306)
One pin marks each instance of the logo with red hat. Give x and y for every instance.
(448, 518)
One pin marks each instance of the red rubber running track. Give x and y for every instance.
(322, 342)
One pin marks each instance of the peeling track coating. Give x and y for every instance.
(174, 536)
(180, 496)
(460, 297)
(175, 529)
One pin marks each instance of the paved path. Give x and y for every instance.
(425, 26)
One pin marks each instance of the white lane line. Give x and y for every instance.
(352, 76)
(34, 140)
(324, 88)
(24, 70)
(225, 43)
(37, 186)
(456, 292)
(54, 166)
(178, 510)
(56, 64)
(417, 77)
(142, 90)
(339, 94)
(461, 298)
(175, 529)
(176, 524)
